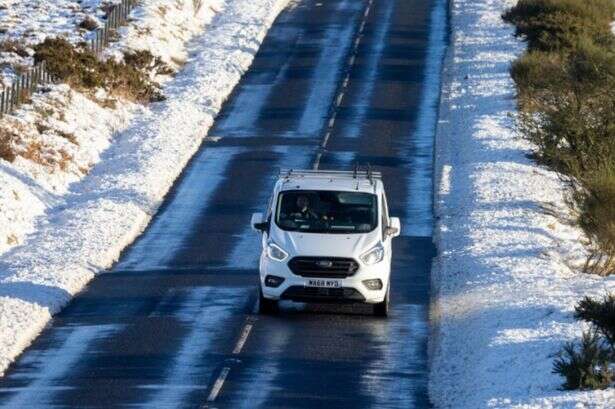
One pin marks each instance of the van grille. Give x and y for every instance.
(331, 267)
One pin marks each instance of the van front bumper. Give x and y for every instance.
(351, 289)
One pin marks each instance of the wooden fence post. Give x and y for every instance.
(27, 83)
(12, 100)
(18, 91)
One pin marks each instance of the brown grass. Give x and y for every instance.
(13, 46)
(7, 149)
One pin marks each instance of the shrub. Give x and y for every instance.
(596, 198)
(88, 23)
(566, 93)
(144, 60)
(553, 25)
(601, 314)
(587, 367)
(80, 68)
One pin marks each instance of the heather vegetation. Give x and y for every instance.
(83, 70)
(566, 94)
(591, 364)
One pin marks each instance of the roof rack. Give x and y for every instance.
(352, 174)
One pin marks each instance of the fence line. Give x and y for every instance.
(26, 84)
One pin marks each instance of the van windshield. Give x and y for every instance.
(325, 211)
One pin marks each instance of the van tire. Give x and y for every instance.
(381, 309)
(265, 305)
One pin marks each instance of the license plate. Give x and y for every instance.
(324, 283)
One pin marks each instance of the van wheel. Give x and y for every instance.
(381, 309)
(265, 305)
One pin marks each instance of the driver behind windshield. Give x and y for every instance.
(303, 210)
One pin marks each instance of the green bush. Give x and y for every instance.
(555, 25)
(596, 198)
(601, 314)
(587, 367)
(591, 366)
(566, 93)
(80, 68)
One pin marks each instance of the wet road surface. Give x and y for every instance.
(173, 324)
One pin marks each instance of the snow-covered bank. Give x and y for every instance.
(506, 277)
(55, 140)
(86, 231)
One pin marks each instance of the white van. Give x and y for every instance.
(326, 237)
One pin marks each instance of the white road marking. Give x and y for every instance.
(357, 42)
(245, 333)
(317, 161)
(340, 96)
(327, 136)
(369, 6)
(195, 310)
(332, 119)
(218, 384)
(338, 101)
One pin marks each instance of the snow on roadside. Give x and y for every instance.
(163, 17)
(506, 277)
(57, 138)
(60, 136)
(107, 209)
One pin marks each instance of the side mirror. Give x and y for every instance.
(258, 224)
(394, 227)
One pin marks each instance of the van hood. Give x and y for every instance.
(324, 245)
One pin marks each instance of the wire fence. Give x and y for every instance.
(26, 84)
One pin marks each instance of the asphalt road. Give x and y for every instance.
(173, 324)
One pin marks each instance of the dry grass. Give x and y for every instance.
(13, 46)
(7, 144)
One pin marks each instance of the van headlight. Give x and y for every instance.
(374, 255)
(275, 252)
